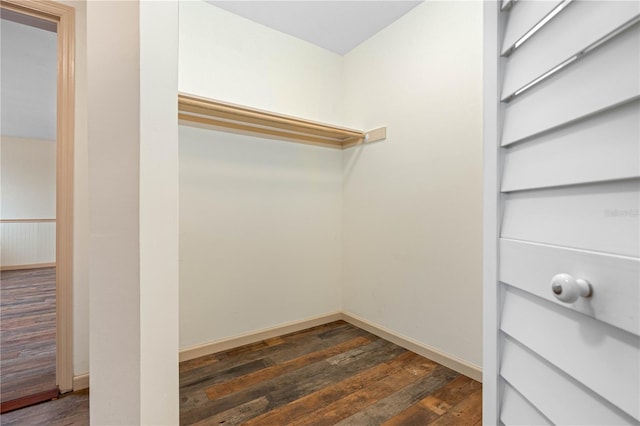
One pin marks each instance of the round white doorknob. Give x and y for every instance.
(569, 289)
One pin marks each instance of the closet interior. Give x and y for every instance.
(278, 237)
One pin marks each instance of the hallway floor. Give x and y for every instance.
(27, 332)
(71, 409)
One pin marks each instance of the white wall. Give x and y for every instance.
(159, 321)
(412, 204)
(260, 220)
(260, 234)
(114, 157)
(133, 175)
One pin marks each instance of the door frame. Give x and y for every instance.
(493, 158)
(64, 17)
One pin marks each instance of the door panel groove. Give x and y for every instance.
(575, 343)
(602, 216)
(518, 410)
(582, 88)
(550, 389)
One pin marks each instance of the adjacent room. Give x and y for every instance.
(28, 211)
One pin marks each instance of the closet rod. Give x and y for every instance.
(241, 119)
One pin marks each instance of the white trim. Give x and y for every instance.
(450, 361)
(80, 382)
(256, 336)
(492, 110)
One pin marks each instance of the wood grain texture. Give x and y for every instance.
(436, 404)
(70, 409)
(222, 389)
(354, 403)
(28, 332)
(331, 374)
(263, 123)
(303, 407)
(31, 399)
(217, 115)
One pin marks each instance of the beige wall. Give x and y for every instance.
(226, 57)
(133, 178)
(412, 204)
(28, 177)
(410, 222)
(260, 220)
(260, 235)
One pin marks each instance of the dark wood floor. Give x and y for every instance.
(70, 409)
(327, 375)
(27, 332)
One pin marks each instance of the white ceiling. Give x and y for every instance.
(28, 72)
(338, 26)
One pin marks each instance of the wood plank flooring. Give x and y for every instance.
(334, 374)
(70, 409)
(27, 332)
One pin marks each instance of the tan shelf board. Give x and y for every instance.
(218, 115)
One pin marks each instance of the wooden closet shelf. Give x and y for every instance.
(209, 113)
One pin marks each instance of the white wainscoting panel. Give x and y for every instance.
(27, 243)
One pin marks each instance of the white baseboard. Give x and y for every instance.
(80, 382)
(462, 367)
(433, 354)
(256, 336)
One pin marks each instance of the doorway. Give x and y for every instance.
(36, 222)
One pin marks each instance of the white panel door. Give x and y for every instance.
(562, 222)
